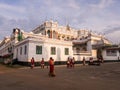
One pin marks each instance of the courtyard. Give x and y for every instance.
(106, 76)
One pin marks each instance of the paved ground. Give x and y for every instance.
(104, 77)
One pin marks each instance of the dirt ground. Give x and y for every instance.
(104, 77)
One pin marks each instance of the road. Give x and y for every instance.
(104, 77)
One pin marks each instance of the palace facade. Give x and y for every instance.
(52, 40)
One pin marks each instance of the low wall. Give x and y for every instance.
(62, 62)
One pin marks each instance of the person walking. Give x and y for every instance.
(83, 61)
(42, 63)
(73, 62)
(68, 62)
(32, 63)
(91, 61)
(51, 67)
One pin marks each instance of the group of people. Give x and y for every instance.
(70, 62)
(98, 62)
(42, 64)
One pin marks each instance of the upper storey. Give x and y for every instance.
(53, 30)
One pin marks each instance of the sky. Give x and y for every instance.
(101, 16)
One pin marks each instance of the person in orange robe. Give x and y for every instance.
(51, 69)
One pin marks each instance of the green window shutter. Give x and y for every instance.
(38, 49)
(66, 51)
(53, 50)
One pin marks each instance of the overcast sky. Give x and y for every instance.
(102, 16)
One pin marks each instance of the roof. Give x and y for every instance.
(107, 47)
(80, 41)
(114, 48)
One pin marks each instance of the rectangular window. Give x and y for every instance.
(25, 50)
(66, 51)
(20, 50)
(38, 49)
(111, 53)
(53, 50)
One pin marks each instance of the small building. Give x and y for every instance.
(111, 53)
(42, 47)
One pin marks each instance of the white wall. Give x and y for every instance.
(60, 53)
(89, 46)
(105, 57)
(32, 51)
(21, 57)
(46, 51)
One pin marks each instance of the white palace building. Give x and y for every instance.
(59, 42)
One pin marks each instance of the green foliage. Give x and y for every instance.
(20, 36)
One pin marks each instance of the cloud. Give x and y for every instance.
(96, 15)
(114, 36)
(11, 8)
(111, 29)
(103, 4)
(73, 4)
(10, 11)
(7, 25)
(112, 32)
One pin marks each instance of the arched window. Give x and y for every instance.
(68, 38)
(48, 33)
